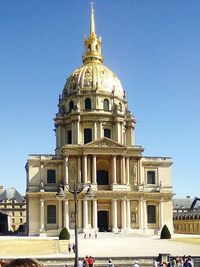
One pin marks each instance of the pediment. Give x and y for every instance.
(104, 142)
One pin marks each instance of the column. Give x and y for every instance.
(41, 215)
(66, 162)
(79, 213)
(114, 215)
(66, 213)
(94, 169)
(100, 129)
(60, 214)
(123, 214)
(73, 132)
(78, 132)
(95, 130)
(128, 214)
(114, 170)
(123, 170)
(94, 214)
(127, 170)
(145, 214)
(118, 132)
(85, 169)
(141, 221)
(161, 214)
(85, 214)
(79, 169)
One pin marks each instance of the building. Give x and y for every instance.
(14, 205)
(95, 145)
(186, 220)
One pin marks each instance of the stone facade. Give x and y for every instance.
(185, 219)
(14, 205)
(95, 145)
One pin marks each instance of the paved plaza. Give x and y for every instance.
(106, 245)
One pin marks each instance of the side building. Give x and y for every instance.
(95, 145)
(186, 220)
(13, 204)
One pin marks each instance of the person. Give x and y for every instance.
(74, 248)
(23, 263)
(110, 264)
(84, 263)
(80, 264)
(135, 264)
(69, 248)
(2, 262)
(91, 261)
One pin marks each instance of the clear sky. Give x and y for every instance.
(152, 46)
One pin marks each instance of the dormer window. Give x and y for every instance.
(106, 104)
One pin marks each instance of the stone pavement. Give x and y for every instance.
(118, 245)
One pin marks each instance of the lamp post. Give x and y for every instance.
(76, 189)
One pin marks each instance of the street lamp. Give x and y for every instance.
(75, 190)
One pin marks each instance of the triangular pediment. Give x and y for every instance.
(104, 142)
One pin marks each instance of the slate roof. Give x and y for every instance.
(184, 203)
(11, 193)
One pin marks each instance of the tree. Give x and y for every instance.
(64, 234)
(165, 233)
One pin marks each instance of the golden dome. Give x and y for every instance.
(93, 75)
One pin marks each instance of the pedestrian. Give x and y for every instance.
(84, 263)
(80, 264)
(69, 248)
(110, 264)
(91, 261)
(135, 264)
(74, 248)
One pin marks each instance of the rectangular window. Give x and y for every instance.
(20, 220)
(151, 214)
(151, 177)
(107, 133)
(51, 176)
(51, 214)
(87, 135)
(69, 137)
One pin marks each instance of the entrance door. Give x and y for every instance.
(103, 221)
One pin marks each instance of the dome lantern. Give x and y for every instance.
(92, 43)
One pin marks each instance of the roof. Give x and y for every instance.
(184, 203)
(192, 214)
(11, 193)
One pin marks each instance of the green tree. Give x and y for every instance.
(165, 233)
(64, 234)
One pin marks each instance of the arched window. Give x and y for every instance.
(89, 47)
(120, 106)
(106, 104)
(71, 106)
(88, 104)
(87, 135)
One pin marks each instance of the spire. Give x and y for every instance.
(92, 43)
(92, 22)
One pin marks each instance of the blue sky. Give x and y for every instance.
(152, 46)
